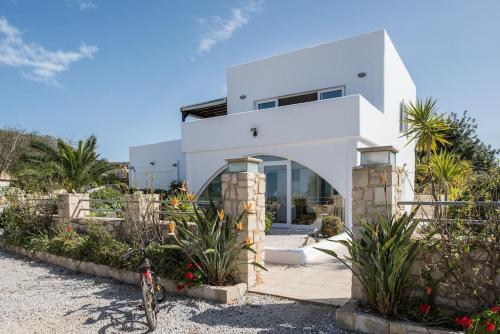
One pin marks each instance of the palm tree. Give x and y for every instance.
(426, 126)
(448, 170)
(74, 168)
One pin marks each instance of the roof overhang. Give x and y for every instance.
(206, 109)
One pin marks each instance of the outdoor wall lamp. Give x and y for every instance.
(254, 131)
(361, 74)
(152, 163)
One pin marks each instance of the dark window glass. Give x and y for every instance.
(330, 94)
(285, 101)
(266, 105)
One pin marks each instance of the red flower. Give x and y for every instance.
(490, 327)
(495, 308)
(179, 287)
(424, 308)
(464, 321)
(428, 290)
(189, 275)
(189, 266)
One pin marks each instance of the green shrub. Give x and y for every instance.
(24, 219)
(112, 200)
(383, 256)
(269, 222)
(331, 225)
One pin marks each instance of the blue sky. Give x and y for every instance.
(120, 69)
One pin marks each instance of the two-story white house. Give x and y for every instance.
(305, 113)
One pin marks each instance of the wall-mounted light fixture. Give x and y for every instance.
(132, 168)
(152, 163)
(254, 132)
(361, 74)
(243, 96)
(378, 155)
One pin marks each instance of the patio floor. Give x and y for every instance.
(325, 281)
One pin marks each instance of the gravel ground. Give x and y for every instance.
(37, 297)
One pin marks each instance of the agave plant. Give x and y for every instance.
(381, 258)
(213, 246)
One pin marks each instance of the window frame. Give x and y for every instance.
(341, 88)
(275, 100)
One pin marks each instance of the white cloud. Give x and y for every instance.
(82, 4)
(221, 29)
(36, 62)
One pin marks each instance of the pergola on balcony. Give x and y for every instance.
(207, 109)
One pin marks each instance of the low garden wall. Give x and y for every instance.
(221, 294)
(351, 318)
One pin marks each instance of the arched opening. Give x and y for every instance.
(296, 196)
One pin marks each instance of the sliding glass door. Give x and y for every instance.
(277, 192)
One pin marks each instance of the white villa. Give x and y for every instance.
(305, 114)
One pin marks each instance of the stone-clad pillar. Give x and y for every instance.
(376, 190)
(72, 206)
(244, 187)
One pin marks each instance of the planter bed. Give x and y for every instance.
(349, 317)
(221, 294)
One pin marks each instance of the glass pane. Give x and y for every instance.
(266, 105)
(330, 94)
(313, 198)
(276, 192)
(213, 191)
(285, 101)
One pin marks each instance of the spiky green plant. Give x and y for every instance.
(381, 258)
(214, 246)
(448, 171)
(426, 126)
(74, 168)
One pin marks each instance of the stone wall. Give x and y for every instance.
(376, 189)
(247, 189)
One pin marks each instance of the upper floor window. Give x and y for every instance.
(281, 101)
(331, 93)
(266, 104)
(298, 98)
(403, 119)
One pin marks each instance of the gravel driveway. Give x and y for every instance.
(36, 297)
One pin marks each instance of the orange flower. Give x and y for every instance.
(171, 227)
(247, 207)
(248, 240)
(239, 227)
(428, 290)
(175, 202)
(191, 197)
(220, 213)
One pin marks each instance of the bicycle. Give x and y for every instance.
(153, 292)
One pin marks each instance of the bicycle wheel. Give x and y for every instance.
(159, 289)
(149, 303)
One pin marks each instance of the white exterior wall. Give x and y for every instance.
(398, 87)
(323, 66)
(164, 155)
(322, 135)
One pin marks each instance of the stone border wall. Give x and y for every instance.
(221, 294)
(351, 318)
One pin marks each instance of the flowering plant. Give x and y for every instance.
(485, 322)
(189, 275)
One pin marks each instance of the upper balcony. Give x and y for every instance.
(343, 117)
